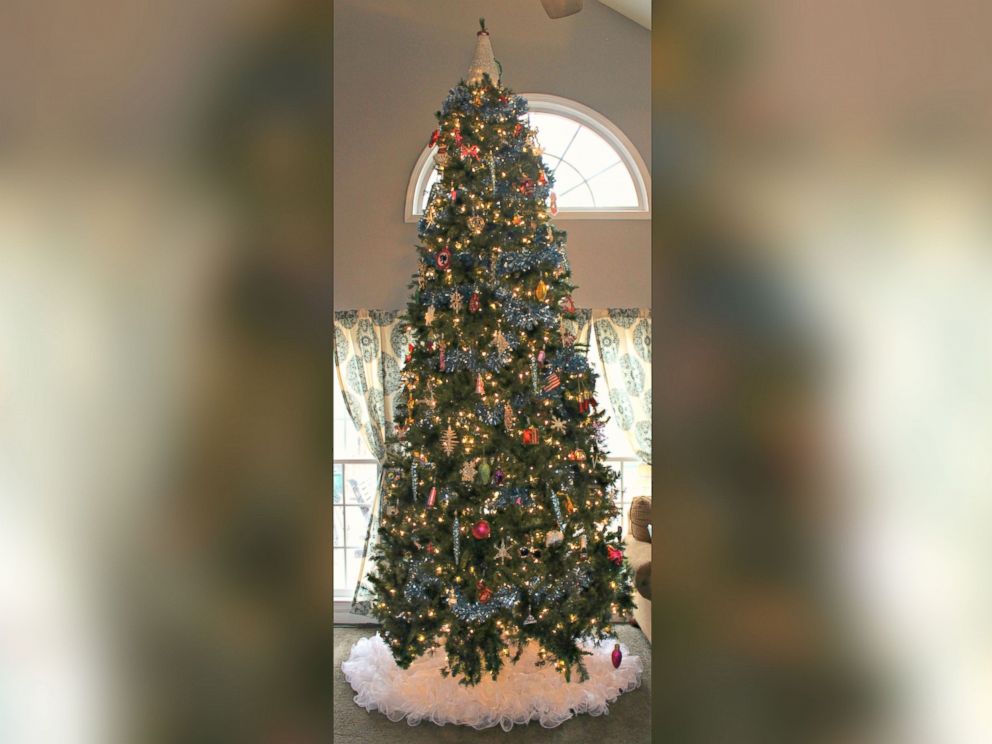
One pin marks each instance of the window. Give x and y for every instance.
(355, 480)
(598, 172)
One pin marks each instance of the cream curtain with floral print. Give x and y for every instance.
(369, 350)
(623, 337)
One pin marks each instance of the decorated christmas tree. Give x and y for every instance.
(498, 520)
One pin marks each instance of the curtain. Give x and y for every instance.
(623, 337)
(369, 350)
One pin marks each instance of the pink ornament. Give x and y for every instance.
(480, 530)
(614, 554)
(441, 361)
(432, 496)
(478, 385)
(616, 656)
(540, 356)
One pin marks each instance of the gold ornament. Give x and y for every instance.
(456, 301)
(541, 291)
(476, 224)
(500, 342)
(448, 440)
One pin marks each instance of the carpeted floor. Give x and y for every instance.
(629, 719)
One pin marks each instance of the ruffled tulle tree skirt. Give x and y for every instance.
(523, 692)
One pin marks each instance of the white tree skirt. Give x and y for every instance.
(523, 691)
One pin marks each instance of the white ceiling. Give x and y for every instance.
(639, 11)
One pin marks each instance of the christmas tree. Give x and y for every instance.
(495, 530)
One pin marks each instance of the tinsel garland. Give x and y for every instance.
(524, 314)
(475, 612)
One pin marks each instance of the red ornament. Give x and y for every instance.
(616, 656)
(434, 137)
(587, 404)
(479, 386)
(474, 303)
(614, 554)
(409, 353)
(480, 530)
(554, 204)
(567, 305)
(517, 129)
(469, 151)
(453, 194)
(526, 186)
(432, 496)
(542, 178)
(530, 435)
(443, 258)
(485, 593)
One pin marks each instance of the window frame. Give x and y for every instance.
(546, 103)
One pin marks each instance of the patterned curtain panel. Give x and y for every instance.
(624, 340)
(369, 351)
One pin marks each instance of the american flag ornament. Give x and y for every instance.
(552, 382)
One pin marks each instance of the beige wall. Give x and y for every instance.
(394, 62)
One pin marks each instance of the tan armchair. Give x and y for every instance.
(638, 550)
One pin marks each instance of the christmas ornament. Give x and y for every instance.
(476, 224)
(552, 382)
(557, 509)
(554, 204)
(526, 187)
(441, 357)
(456, 536)
(484, 470)
(441, 158)
(432, 496)
(502, 554)
(485, 593)
(453, 194)
(468, 471)
(500, 342)
(409, 353)
(458, 132)
(392, 511)
(530, 435)
(448, 440)
(566, 304)
(542, 178)
(553, 538)
(434, 136)
(508, 416)
(413, 480)
(517, 220)
(533, 374)
(479, 388)
(541, 291)
(429, 315)
(498, 476)
(469, 151)
(540, 356)
(576, 455)
(587, 404)
(481, 530)
(558, 425)
(443, 258)
(474, 303)
(569, 506)
(517, 129)
(616, 656)
(530, 620)
(456, 301)
(614, 554)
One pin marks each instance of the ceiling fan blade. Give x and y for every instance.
(561, 8)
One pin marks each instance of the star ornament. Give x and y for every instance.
(502, 554)
(429, 315)
(456, 301)
(558, 425)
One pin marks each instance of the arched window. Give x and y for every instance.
(598, 172)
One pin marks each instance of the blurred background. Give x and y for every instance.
(823, 484)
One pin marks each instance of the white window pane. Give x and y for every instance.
(434, 177)
(554, 132)
(360, 483)
(348, 443)
(338, 481)
(356, 524)
(354, 564)
(614, 188)
(338, 519)
(579, 197)
(590, 153)
(340, 584)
